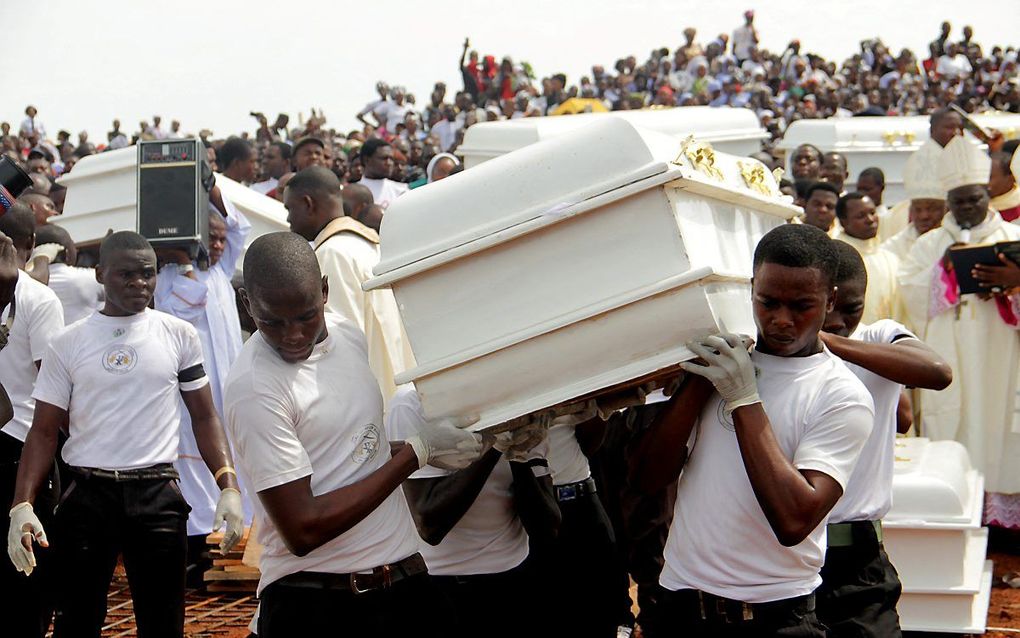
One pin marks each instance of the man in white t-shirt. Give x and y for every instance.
(860, 587)
(584, 572)
(477, 524)
(28, 322)
(745, 38)
(79, 293)
(113, 382)
(377, 108)
(377, 160)
(774, 436)
(305, 415)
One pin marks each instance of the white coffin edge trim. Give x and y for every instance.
(977, 495)
(978, 613)
(977, 549)
(540, 217)
(698, 275)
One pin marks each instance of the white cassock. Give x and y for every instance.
(901, 243)
(881, 298)
(893, 220)
(347, 252)
(207, 303)
(977, 409)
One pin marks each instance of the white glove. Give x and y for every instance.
(729, 368)
(24, 524)
(230, 514)
(446, 444)
(517, 445)
(49, 251)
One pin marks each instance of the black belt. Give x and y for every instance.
(709, 607)
(379, 578)
(159, 471)
(574, 491)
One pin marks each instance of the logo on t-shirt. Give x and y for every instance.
(120, 359)
(726, 418)
(366, 444)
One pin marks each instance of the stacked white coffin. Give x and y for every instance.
(730, 130)
(885, 142)
(102, 195)
(571, 266)
(934, 537)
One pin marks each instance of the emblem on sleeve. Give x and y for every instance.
(120, 359)
(366, 444)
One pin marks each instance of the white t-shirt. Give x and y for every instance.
(489, 538)
(120, 379)
(567, 463)
(868, 495)
(38, 318)
(395, 115)
(384, 191)
(266, 186)
(321, 417)
(79, 293)
(743, 41)
(720, 541)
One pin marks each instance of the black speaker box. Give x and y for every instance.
(173, 195)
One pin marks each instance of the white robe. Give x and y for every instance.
(881, 298)
(207, 303)
(977, 409)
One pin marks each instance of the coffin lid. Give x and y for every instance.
(709, 124)
(550, 181)
(889, 133)
(934, 485)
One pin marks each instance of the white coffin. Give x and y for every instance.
(570, 266)
(885, 142)
(934, 538)
(948, 612)
(730, 130)
(102, 196)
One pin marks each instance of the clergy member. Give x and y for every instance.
(977, 408)
(944, 125)
(859, 220)
(1003, 188)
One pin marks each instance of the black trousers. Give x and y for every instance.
(27, 605)
(480, 603)
(680, 614)
(581, 573)
(99, 519)
(413, 606)
(860, 589)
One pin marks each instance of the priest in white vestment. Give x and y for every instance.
(206, 299)
(977, 334)
(858, 220)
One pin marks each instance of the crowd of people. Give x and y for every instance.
(151, 400)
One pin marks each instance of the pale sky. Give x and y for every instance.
(209, 62)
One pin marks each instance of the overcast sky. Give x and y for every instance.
(209, 62)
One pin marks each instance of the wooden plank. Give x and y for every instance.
(241, 568)
(216, 575)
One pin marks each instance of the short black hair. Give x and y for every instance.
(843, 201)
(357, 194)
(1003, 160)
(317, 181)
(798, 246)
(285, 150)
(873, 173)
(814, 148)
(851, 264)
(53, 234)
(370, 146)
(278, 261)
(18, 223)
(938, 114)
(801, 186)
(821, 186)
(120, 241)
(835, 155)
(233, 150)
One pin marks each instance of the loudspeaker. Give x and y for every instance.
(174, 179)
